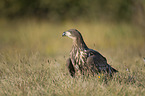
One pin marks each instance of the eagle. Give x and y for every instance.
(83, 60)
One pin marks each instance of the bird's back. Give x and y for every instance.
(99, 61)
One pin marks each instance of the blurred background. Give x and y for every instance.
(37, 25)
(60, 10)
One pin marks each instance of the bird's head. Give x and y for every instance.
(77, 38)
(72, 33)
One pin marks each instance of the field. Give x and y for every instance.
(33, 55)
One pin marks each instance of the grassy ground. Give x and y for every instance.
(33, 55)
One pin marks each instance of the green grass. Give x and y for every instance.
(33, 56)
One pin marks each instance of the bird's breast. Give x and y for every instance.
(78, 57)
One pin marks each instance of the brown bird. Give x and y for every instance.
(83, 60)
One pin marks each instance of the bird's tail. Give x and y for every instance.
(114, 70)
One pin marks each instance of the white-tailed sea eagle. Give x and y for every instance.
(83, 60)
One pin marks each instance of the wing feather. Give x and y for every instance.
(99, 63)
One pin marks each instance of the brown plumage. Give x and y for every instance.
(83, 60)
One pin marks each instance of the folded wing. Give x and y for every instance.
(98, 63)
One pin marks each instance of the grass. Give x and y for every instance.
(33, 55)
